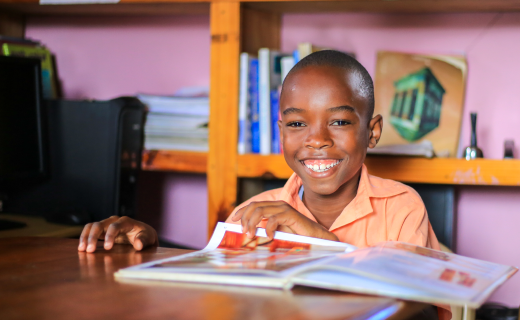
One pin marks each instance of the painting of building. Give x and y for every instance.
(421, 98)
(417, 104)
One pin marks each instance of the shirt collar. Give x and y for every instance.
(360, 206)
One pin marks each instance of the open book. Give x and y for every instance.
(392, 269)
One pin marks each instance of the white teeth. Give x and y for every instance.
(321, 167)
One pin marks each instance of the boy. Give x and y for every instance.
(327, 105)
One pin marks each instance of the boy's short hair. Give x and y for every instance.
(342, 60)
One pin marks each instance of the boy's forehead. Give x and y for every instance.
(323, 85)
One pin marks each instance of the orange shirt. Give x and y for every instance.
(383, 210)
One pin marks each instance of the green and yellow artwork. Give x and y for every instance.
(420, 97)
(417, 104)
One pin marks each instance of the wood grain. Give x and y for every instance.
(405, 169)
(223, 128)
(142, 8)
(161, 7)
(260, 29)
(173, 160)
(385, 6)
(47, 278)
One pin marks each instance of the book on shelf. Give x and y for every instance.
(18, 47)
(421, 149)
(393, 269)
(176, 123)
(244, 104)
(269, 78)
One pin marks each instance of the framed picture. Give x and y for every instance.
(421, 98)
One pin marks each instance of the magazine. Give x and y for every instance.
(393, 269)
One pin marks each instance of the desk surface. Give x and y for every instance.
(47, 278)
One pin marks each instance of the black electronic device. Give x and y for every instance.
(94, 159)
(22, 127)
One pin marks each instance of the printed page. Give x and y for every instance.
(423, 274)
(230, 251)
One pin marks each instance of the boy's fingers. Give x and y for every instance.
(84, 237)
(143, 239)
(274, 221)
(239, 214)
(95, 233)
(260, 213)
(113, 230)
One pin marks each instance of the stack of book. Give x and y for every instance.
(260, 85)
(21, 47)
(176, 123)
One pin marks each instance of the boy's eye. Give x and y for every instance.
(296, 124)
(340, 123)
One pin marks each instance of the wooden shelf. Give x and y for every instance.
(138, 8)
(384, 6)
(170, 7)
(172, 160)
(405, 169)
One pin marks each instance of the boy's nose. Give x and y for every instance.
(319, 139)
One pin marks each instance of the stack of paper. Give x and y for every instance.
(176, 123)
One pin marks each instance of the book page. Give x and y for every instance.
(231, 251)
(422, 273)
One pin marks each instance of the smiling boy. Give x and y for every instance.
(327, 105)
(327, 124)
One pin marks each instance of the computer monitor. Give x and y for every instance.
(22, 143)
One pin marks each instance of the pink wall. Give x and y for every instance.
(166, 53)
(488, 218)
(107, 57)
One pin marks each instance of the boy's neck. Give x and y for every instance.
(326, 209)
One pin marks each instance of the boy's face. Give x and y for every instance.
(325, 128)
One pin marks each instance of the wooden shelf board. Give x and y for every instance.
(140, 8)
(405, 169)
(173, 160)
(385, 6)
(171, 7)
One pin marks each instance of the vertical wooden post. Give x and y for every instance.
(223, 119)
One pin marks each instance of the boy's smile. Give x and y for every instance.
(325, 129)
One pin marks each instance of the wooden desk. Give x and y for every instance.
(47, 278)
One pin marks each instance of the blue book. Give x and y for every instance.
(275, 131)
(244, 105)
(254, 105)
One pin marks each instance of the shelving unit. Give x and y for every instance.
(170, 160)
(238, 26)
(405, 169)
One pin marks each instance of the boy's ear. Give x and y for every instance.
(375, 128)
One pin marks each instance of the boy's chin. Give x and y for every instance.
(322, 189)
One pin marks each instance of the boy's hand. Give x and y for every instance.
(280, 216)
(117, 230)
